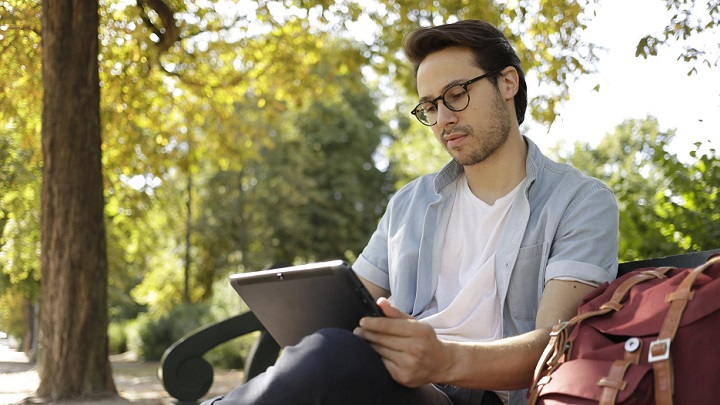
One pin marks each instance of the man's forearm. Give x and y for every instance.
(505, 364)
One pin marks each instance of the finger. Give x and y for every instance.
(394, 363)
(391, 358)
(388, 323)
(390, 326)
(391, 366)
(390, 342)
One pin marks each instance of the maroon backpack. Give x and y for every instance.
(651, 336)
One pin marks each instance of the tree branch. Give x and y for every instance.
(169, 32)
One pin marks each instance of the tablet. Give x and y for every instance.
(293, 302)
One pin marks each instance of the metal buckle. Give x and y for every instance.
(662, 356)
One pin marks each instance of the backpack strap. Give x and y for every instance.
(615, 380)
(659, 351)
(615, 303)
(623, 289)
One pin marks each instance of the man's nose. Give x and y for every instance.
(445, 115)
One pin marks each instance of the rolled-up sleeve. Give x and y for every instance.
(372, 264)
(585, 247)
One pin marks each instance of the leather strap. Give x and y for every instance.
(623, 289)
(549, 360)
(659, 353)
(615, 303)
(615, 380)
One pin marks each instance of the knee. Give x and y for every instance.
(334, 342)
(333, 349)
(329, 366)
(336, 337)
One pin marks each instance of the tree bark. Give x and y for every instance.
(73, 313)
(30, 331)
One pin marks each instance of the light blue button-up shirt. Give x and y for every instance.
(563, 224)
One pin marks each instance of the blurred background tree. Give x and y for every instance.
(666, 205)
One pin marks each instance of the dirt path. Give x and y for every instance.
(137, 382)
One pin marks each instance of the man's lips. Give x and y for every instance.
(454, 139)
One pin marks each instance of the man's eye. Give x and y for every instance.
(455, 93)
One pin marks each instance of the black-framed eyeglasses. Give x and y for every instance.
(455, 98)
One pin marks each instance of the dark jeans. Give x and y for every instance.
(333, 366)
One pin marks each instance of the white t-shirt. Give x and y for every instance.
(465, 306)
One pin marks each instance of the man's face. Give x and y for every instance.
(475, 133)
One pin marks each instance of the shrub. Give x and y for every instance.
(11, 315)
(232, 354)
(153, 332)
(117, 337)
(156, 332)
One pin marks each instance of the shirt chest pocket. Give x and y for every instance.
(524, 289)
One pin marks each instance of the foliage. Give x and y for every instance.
(666, 205)
(690, 207)
(118, 337)
(20, 159)
(173, 75)
(232, 354)
(544, 34)
(694, 24)
(336, 145)
(11, 314)
(415, 152)
(157, 331)
(307, 189)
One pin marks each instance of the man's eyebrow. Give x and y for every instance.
(444, 89)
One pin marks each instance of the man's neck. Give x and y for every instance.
(500, 173)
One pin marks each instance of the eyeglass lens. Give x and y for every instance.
(455, 98)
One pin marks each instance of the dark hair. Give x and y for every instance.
(491, 49)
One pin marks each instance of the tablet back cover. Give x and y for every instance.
(294, 302)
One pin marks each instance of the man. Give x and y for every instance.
(478, 261)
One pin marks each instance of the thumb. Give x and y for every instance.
(389, 310)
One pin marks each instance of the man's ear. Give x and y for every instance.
(509, 82)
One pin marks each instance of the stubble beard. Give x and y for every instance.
(495, 133)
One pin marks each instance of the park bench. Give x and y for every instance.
(187, 377)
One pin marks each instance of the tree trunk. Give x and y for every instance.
(73, 312)
(188, 233)
(30, 331)
(244, 241)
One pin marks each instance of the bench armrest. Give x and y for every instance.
(187, 376)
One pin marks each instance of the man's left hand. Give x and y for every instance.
(410, 349)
